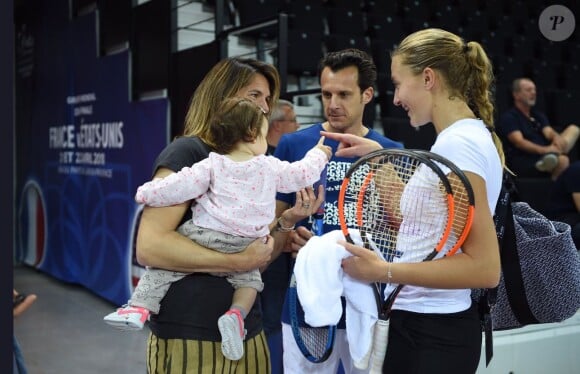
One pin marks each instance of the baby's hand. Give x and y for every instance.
(324, 148)
(352, 145)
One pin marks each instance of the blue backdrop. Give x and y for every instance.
(83, 147)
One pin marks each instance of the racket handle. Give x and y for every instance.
(380, 339)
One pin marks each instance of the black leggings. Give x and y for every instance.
(433, 343)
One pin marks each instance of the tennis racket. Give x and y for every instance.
(404, 206)
(315, 343)
(463, 197)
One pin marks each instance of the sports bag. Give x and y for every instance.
(540, 279)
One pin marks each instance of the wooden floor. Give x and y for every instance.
(63, 331)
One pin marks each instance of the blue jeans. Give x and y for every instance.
(18, 359)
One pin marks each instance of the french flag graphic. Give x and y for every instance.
(32, 225)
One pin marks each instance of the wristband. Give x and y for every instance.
(282, 228)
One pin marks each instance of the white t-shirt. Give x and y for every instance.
(469, 145)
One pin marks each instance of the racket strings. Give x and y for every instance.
(402, 208)
(316, 340)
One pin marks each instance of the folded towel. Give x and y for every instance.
(320, 282)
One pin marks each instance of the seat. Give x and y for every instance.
(391, 8)
(542, 74)
(305, 37)
(523, 49)
(566, 75)
(380, 50)
(151, 48)
(113, 30)
(499, 8)
(473, 27)
(508, 69)
(345, 22)
(419, 15)
(252, 11)
(345, 4)
(387, 27)
(81, 7)
(304, 53)
(503, 97)
(304, 16)
(370, 114)
(384, 99)
(570, 54)
(534, 191)
(339, 42)
(562, 107)
(183, 78)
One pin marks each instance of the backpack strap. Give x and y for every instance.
(488, 297)
(509, 255)
(510, 267)
(512, 275)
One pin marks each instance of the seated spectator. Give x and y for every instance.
(534, 148)
(282, 121)
(565, 200)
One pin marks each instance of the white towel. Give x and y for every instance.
(320, 282)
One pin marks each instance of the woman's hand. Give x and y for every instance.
(256, 255)
(364, 265)
(352, 145)
(307, 203)
(297, 239)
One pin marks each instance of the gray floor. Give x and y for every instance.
(63, 331)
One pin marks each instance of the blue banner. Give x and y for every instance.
(83, 147)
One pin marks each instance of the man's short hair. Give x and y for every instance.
(516, 84)
(277, 113)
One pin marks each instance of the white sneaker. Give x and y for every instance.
(547, 163)
(128, 318)
(231, 326)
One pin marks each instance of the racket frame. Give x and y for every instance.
(380, 338)
(317, 221)
(468, 190)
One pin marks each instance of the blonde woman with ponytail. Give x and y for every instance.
(439, 78)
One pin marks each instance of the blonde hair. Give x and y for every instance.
(224, 81)
(465, 67)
